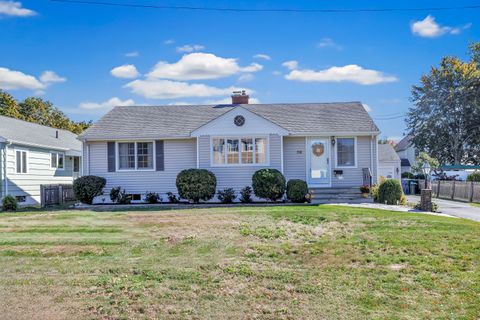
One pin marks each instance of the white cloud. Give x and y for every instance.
(349, 73)
(132, 54)
(48, 77)
(292, 64)
(166, 89)
(200, 66)
(169, 42)
(429, 28)
(10, 79)
(106, 105)
(328, 43)
(366, 107)
(262, 56)
(126, 71)
(190, 48)
(245, 77)
(14, 9)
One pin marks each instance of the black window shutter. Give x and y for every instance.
(160, 155)
(111, 156)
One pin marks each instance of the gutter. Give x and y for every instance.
(4, 155)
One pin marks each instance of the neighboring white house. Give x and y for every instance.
(32, 155)
(389, 164)
(143, 148)
(407, 153)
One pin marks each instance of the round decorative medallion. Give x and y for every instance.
(239, 121)
(318, 149)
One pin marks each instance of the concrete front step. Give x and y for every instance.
(335, 194)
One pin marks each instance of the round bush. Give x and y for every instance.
(9, 203)
(268, 184)
(86, 188)
(196, 184)
(297, 190)
(474, 177)
(390, 192)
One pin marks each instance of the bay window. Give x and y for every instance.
(239, 151)
(135, 155)
(346, 152)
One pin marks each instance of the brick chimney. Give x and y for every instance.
(240, 97)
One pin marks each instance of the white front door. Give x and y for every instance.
(318, 161)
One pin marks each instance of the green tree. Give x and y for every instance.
(39, 111)
(445, 117)
(423, 158)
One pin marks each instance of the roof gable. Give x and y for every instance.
(225, 125)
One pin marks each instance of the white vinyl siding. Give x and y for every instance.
(294, 166)
(179, 154)
(39, 172)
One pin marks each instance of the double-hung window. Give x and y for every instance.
(135, 155)
(239, 151)
(21, 159)
(57, 160)
(346, 152)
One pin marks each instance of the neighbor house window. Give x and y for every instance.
(235, 151)
(57, 160)
(135, 155)
(21, 161)
(346, 152)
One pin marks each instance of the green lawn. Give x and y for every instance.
(475, 204)
(292, 262)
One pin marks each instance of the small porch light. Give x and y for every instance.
(333, 140)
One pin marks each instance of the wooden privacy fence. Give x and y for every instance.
(56, 194)
(455, 190)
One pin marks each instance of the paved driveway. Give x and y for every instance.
(453, 208)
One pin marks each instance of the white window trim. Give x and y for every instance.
(355, 147)
(117, 157)
(64, 160)
(240, 164)
(28, 158)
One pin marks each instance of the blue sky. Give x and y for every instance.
(98, 56)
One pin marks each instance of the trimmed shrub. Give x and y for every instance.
(152, 197)
(246, 195)
(297, 190)
(226, 195)
(390, 192)
(408, 175)
(86, 188)
(172, 198)
(196, 184)
(268, 184)
(117, 195)
(9, 203)
(474, 177)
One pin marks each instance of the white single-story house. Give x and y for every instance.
(389, 164)
(32, 155)
(143, 148)
(407, 152)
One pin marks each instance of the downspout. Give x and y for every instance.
(198, 153)
(5, 167)
(281, 154)
(371, 158)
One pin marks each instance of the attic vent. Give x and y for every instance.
(239, 121)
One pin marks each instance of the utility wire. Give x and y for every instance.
(193, 8)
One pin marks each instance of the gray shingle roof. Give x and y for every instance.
(387, 153)
(33, 134)
(180, 121)
(404, 143)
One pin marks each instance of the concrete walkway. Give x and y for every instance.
(453, 208)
